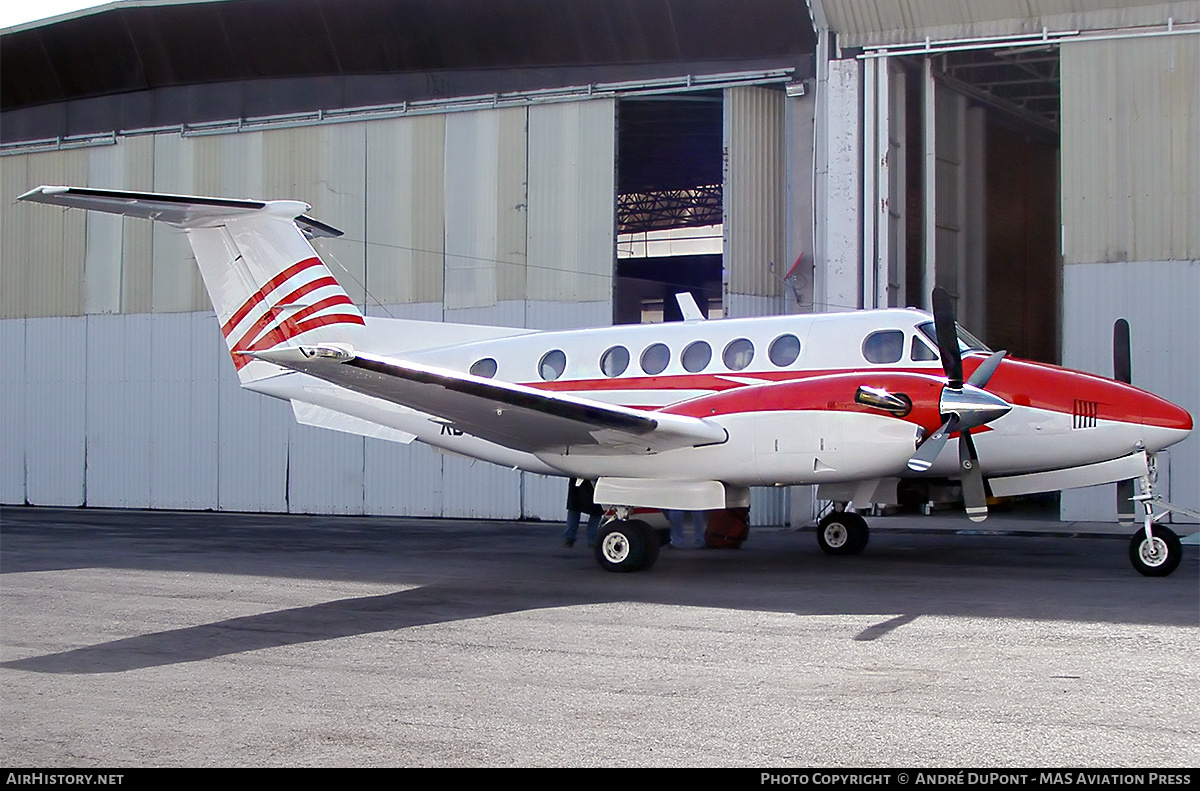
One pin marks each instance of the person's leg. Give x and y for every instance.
(571, 529)
(593, 526)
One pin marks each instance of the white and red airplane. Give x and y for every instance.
(686, 415)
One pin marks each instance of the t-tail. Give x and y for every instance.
(267, 284)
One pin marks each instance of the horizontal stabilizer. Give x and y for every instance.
(515, 416)
(185, 211)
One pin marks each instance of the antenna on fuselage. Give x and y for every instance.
(688, 306)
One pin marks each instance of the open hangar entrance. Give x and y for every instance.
(961, 188)
(669, 205)
(702, 198)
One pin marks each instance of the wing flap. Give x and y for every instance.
(515, 416)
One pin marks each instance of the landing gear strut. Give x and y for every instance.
(1154, 550)
(842, 533)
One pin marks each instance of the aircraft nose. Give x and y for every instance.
(1163, 422)
(1151, 410)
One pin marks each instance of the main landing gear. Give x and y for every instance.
(842, 533)
(627, 545)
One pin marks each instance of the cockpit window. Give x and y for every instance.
(966, 341)
(921, 352)
(884, 346)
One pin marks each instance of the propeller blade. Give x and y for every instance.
(984, 372)
(947, 336)
(974, 496)
(927, 454)
(1123, 372)
(1122, 367)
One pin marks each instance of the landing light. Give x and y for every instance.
(898, 404)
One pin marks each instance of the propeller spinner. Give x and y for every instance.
(963, 405)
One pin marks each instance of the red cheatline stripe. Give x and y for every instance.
(290, 327)
(272, 315)
(286, 326)
(262, 293)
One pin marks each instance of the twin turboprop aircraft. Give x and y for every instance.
(686, 415)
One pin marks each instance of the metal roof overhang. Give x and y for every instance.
(513, 45)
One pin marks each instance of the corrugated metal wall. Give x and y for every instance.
(754, 225)
(118, 390)
(1130, 199)
(1159, 300)
(1130, 137)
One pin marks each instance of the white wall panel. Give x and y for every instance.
(325, 471)
(543, 497)
(187, 357)
(105, 235)
(1159, 300)
(118, 411)
(472, 211)
(545, 315)
(252, 453)
(838, 254)
(478, 490)
(339, 197)
(402, 479)
(12, 411)
(55, 410)
(754, 193)
(572, 195)
(41, 266)
(1130, 136)
(180, 166)
(405, 227)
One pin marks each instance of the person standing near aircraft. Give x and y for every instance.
(580, 500)
(679, 535)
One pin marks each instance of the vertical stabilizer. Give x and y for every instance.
(267, 285)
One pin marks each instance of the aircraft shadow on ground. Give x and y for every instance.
(900, 579)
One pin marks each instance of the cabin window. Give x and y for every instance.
(696, 356)
(485, 368)
(738, 354)
(614, 361)
(884, 346)
(655, 358)
(784, 350)
(920, 351)
(552, 365)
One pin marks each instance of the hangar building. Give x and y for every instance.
(544, 164)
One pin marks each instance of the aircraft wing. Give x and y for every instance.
(515, 416)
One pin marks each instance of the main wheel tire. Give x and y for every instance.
(843, 533)
(626, 546)
(1157, 557)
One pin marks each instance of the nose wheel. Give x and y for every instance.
(842, 533)
(1156, 555)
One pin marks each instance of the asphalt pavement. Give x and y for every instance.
(214, 639)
